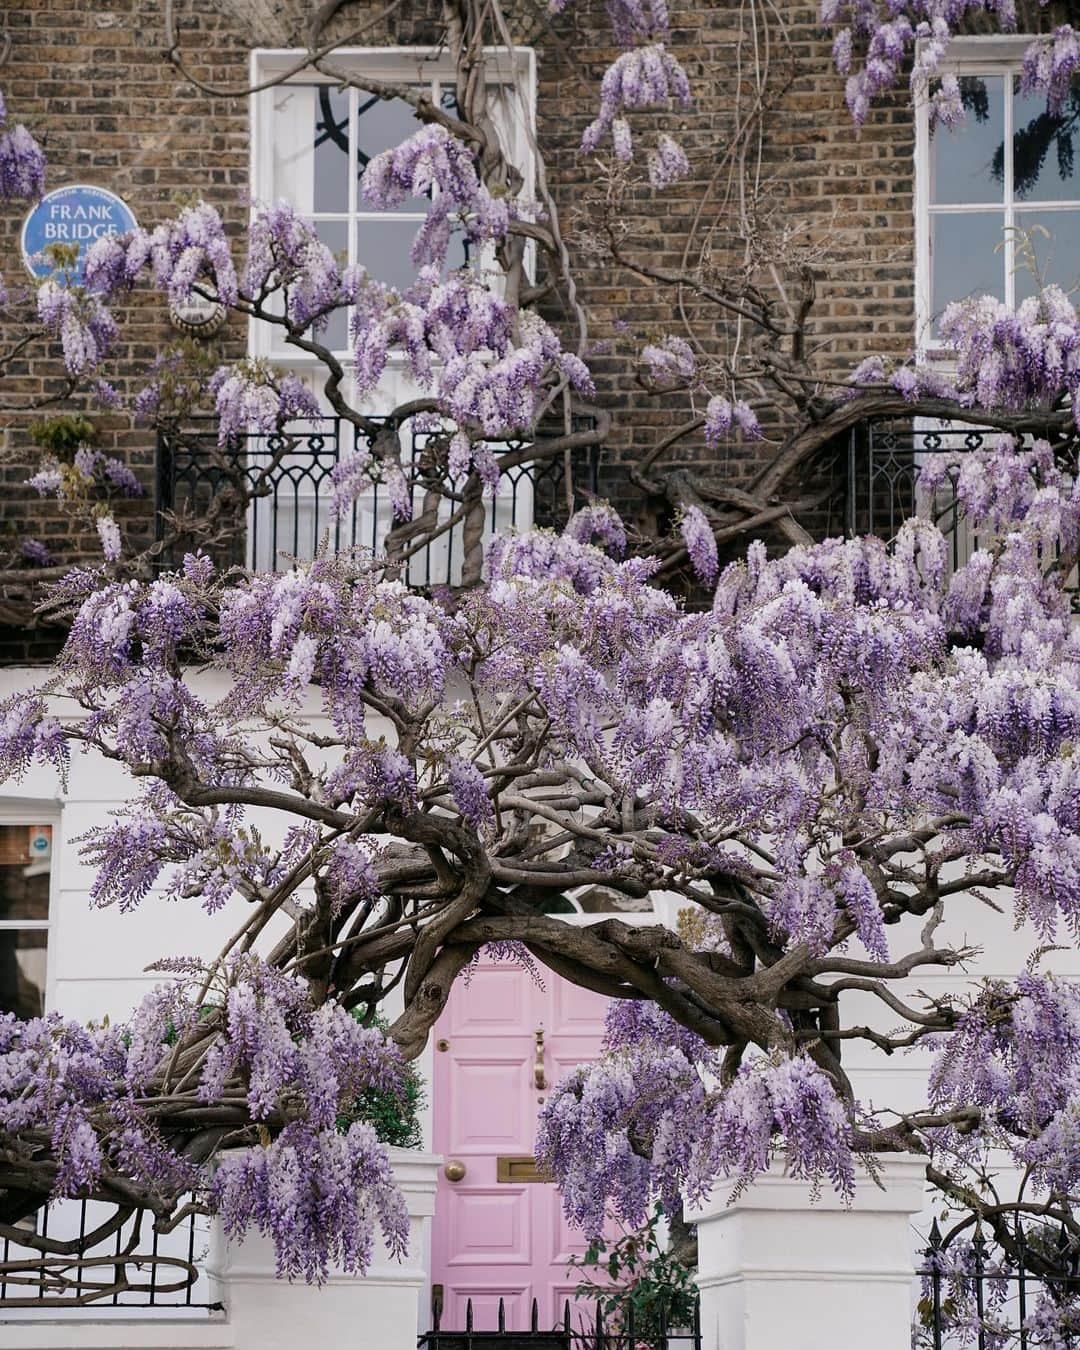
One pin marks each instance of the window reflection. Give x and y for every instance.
(1053, 239)
(1044, 148)
(331, 147)
(963, 255)
(962, 157)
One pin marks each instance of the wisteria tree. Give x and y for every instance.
(820, 762)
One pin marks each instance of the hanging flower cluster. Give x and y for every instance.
(316, 1191)
(184, 253)
(434, 163)
(644, 77)
(877, 41)
(22, 162)
(83, 326)
(252, 397)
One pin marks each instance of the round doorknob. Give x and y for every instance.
(454, 1170)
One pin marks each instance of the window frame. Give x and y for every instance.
(509, 68)
(513, 68)
(33, 812)
(990, 55)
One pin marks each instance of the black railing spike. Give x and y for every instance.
(468, 1314)
(534, 1320)
(436, 1315)
(630, 1324)
(599, 1326)
(502, 1315)
(566, 1317)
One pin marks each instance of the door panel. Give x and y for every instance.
(493, 1239)
(487, 1227)
(485, 1296)
(488, 1112)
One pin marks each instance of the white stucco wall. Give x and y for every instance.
(97, 958)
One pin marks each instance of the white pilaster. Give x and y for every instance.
(779, 1269)
(382, 1308)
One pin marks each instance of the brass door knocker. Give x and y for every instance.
(539, 1077)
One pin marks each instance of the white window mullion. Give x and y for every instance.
(354, 164)
(1010, 215)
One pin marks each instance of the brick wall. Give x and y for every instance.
(90, 73)
(88, 77)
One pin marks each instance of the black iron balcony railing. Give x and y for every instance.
(883, 489)
(884, 460)
(292, 515)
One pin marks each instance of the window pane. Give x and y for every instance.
(1044, 148)
(24, 871)
(965, 161)
(1057, 258)
(22, 971)
(331, 142)
(382, 246)
(460, 253)
(335, 235)
(963, 260)
(381, 124)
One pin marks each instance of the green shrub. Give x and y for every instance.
(395, 1119)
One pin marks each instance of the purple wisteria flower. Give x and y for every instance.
(22, 162)
(667, 163)
(878, 41)
(85, 328)
(285, 253)
(700, 542)
(434, 163)
(34, 551)
(109, 534)
(670, 361)
(271, 1047)
(644, 77)
(251, 397)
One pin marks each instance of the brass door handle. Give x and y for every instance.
(539, 1077)
(454, 1170)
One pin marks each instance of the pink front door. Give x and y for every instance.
(503, 1239)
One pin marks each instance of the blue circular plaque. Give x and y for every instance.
(77, 214)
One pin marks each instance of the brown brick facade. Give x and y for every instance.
(90, 78)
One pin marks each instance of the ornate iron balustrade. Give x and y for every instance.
(83, 1254)
(882, 488)
(884, 459)
(293, 516)
(579, 1329)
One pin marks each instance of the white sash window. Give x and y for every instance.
(1008, 170)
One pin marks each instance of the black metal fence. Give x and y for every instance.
(293, 514)
(579, 1328)
(978, 1297)
(86, 1254)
